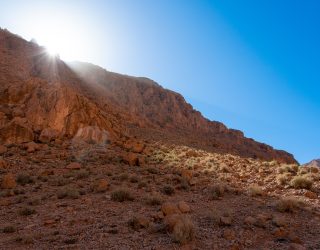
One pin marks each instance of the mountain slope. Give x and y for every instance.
(40, 93)
(313, 163)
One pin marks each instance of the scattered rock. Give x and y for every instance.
(31, 147)
(3, 163)
(169, 208)
(48, 134)
(184, 207)
(310, 195)
(229, 234)
(74, 166)
(3, 149)
(8, 181)
(102, 185)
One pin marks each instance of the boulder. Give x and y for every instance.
(184, 207)
(131, 158)
(17, 131)
(48, 134)
(31, 147)
(169, 208)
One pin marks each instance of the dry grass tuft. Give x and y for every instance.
(121, 195)
(184, 230)
(300, 182)
(289, 204)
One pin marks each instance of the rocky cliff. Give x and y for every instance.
(42, 96)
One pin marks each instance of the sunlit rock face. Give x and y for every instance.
(86, 101)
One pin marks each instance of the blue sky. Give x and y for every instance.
(253, 65)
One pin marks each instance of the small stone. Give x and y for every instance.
(3, 149)
(249, 220)
(143, 221)
(102, 186)
(8, 181)
(225, 221)
(311, 195)
(171, 220)
(169, 208)
(74, 166)
(184, 207)
(31, 147)
(229, 234)
(279, 221)
(3, 164)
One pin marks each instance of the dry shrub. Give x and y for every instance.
(288, 204)
(183, 230)
(283, 179)
(154, 200)
(70, 193)
(168, 190)
(217, 190)
(121, 195)
(255, 190)
(301, 182)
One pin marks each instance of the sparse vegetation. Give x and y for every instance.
(26, 211)
(70, 193)
(301, 182)
(255, 190)
(288, 204)
(9, 229)
(168, 190)
(154, 200)
(217, 190)
(184, 230)
(24, 179)
(121, 195)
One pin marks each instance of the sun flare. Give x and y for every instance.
(64, 36)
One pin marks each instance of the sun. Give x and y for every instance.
(63, 37)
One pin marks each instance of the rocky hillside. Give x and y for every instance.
(313, 163)
(40, 94)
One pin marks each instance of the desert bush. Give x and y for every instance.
(301, 182)
(26, 211)
(153, 200)
(152, 170)
(255, 190)
(142, 184)
(217, 190)
(282, 179)
(121, 195)
(9, 229)
(70, 193)
(82, 174)
(134, 179)
(183, 230)
(288, 169)
(24, 179)
(123, 177)
(288, 204)
(134, 223)
(168, 190)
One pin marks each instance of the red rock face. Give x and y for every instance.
(39, 94)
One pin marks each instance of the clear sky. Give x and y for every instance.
(253, 65)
